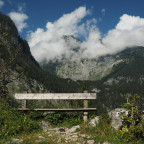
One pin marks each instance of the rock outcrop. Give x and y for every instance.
(94, 121)
(115, 116)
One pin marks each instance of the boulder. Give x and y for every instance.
(45, 125)
(115, 116)
(73, 129)
(90, 142)
(94, 121)
(17, 141)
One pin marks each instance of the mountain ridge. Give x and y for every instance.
(125, 75)
(77, 68)
(34, 78)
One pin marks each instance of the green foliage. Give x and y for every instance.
(9, 42)
(72, 120)
(54, 118)
(132, 122)
(63, 119)
(83, 87)
(103, 131)
(13, 123)
(130, 134)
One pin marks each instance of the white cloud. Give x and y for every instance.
(103, 11)
(46, 44)
(128, 22)
(22, 7)
(129, 32)
(1, 4)
(19, 19)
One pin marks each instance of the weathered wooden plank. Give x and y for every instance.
(23, 104)
(76, 109)
(85, 115)
(54, 96)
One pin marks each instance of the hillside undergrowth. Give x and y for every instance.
(13, 123)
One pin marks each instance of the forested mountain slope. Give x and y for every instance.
(33, 79)
(126, 77)
(122, 73)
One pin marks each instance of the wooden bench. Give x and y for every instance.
(58, 96)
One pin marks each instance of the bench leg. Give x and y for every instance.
(85, 117)
(23, 104)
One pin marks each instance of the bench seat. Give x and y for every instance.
(46, 109)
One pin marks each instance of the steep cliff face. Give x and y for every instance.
(76, 68)
(14, 47)
(111, 76)
(8, 27)
(87, 69)
(33, 77)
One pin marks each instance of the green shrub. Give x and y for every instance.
(132, 122)
(54, 118)
(13, 123)
(72, 120)
(63, 119)
(132, 134)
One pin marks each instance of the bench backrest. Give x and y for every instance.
(58, 96)
(55, 96)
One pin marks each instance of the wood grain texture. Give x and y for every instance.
(54, 96)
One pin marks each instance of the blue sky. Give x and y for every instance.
(39, 12)
(105, 26)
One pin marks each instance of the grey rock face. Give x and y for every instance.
(115, 117)
(94, 121)
(45, 125)
(90, 142)
(88, 69)
(16, 141)
(75, 66)
(73, 129)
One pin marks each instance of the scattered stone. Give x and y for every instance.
(62, 130)
(87, 136)
(50, 135)
(38, 141)
(115, 117)
(51, 129)
(47, 112)
(41, 137)
(83, 135)
(45, 125)
(105, 143)
(59, 140)
(74, 139)
(17, 141)
(94, 121)
(74, 136)
(90, 142)
(73, 129)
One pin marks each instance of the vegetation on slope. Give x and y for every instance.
(10, 41)
(126, 77)
(13, 123)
